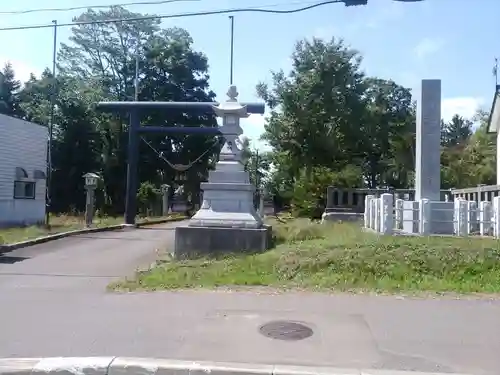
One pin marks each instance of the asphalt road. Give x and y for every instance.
(86, 262)
(53, 303)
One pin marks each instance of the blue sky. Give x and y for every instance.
(453, 40)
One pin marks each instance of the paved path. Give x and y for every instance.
(85, 263)
(54, 304)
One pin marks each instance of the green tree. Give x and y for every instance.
(328, 119)
(388, 130)
(103, 56)
(257, 164)
(76, 144)
(316, 108)
(468, 162)
(309, 190)
(281, 178)
(9, 92)
(456, 132)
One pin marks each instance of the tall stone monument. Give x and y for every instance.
(428, 142)
(439, 215)
(227, 220)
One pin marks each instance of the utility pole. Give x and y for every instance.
(48, 179)
(231, 66)
(136, 79)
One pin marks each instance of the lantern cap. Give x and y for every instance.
(231, 106)
(91, 179)
(91, 174)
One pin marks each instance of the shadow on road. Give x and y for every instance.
(161, 229)
(5, 259)
(61, 275)
(108, 237)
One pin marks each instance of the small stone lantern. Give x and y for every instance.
(165, 190)
(91, 180)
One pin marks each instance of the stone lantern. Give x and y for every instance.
(227, 219)
(228, 194)
(91, 181)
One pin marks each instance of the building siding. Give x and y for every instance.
(22, 145)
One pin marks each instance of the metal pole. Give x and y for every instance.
(257, 182)
(136, 81)
(133, 159)
(232, 51)
(48, 180)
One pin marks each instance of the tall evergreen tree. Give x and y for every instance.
(9, 92)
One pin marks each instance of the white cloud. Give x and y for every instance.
(463, 106)
(253, 124)
(427, 47)
(253, 127)
(21, 69)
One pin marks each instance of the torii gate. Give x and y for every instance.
(135, 109)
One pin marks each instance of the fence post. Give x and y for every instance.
(496, 217)
(398, 208)
(485, 218)
(462, 218)
(376, 222)
(424, 217)
(473, 217)
(373, 212)
(368, 209)
(456, 216)
(386, 213)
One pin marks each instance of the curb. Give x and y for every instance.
(146, 366)
(18, 245)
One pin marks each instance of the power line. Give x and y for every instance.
(39, 10)
(178, 15)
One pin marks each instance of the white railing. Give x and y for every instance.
(379, 214)
(385, 215)
(354, 199)
(478, 194)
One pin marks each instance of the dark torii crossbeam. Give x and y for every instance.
(135, 110)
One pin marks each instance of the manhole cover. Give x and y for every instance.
(286, 330)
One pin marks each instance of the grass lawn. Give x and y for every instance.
(339, 257)
(60, 223)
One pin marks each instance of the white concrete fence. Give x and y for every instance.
(386, 215)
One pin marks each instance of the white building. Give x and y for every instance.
(494, 126)
(23, 155)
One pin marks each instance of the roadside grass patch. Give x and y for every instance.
(341, 257)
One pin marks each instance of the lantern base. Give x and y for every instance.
(193, 242)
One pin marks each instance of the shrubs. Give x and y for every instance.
(309, 190)
(148, 196)
(293, 230)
